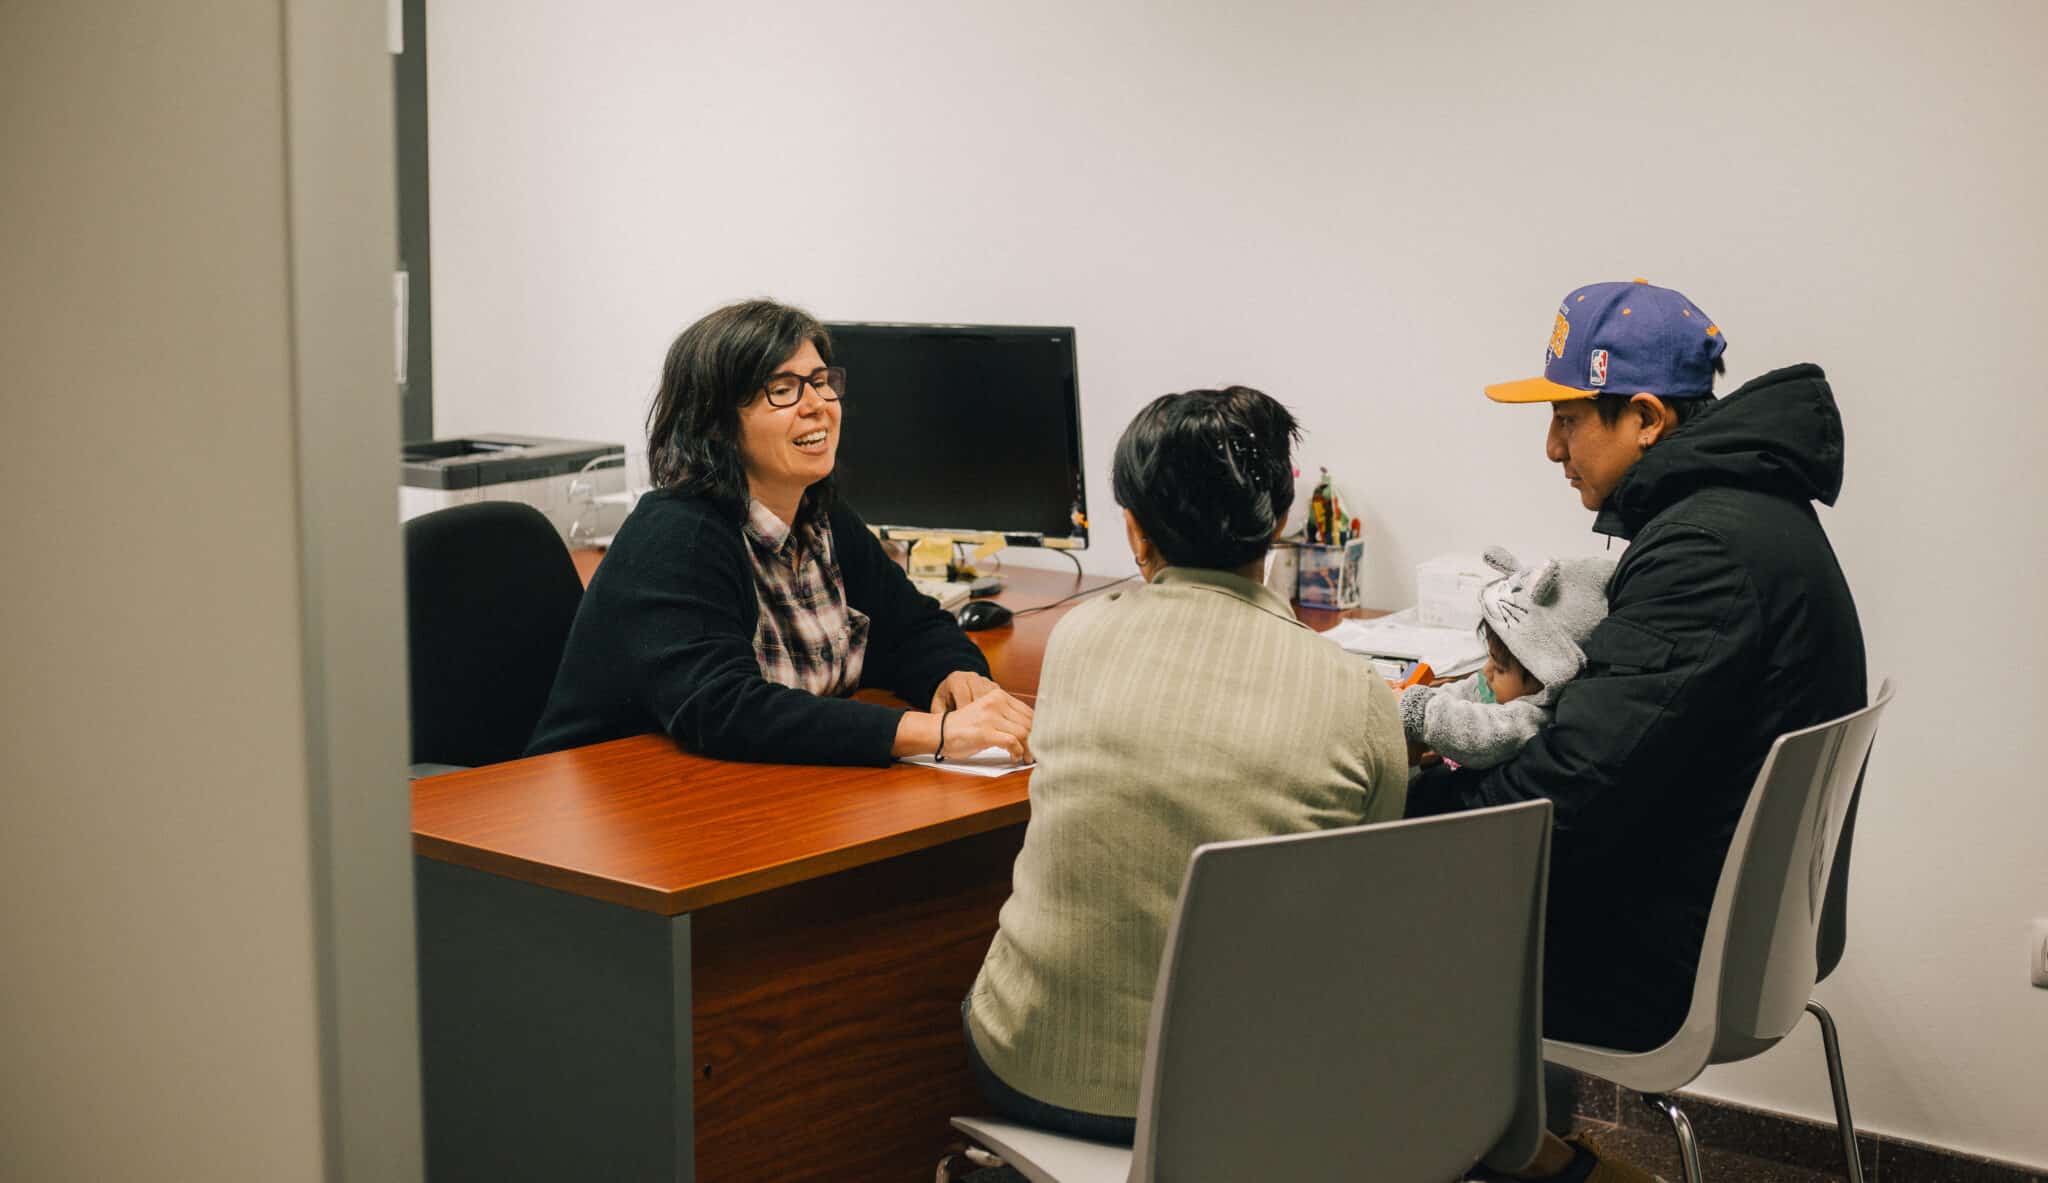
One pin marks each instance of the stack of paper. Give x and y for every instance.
(1450, 652)
(986, 762)
(950, 595)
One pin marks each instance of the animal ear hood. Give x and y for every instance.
(1544, 614)
(1498, 558)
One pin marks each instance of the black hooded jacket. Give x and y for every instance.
(1729, 624)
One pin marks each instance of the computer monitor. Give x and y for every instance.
(962, 430)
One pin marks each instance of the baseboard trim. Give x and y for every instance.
(1794, 1141)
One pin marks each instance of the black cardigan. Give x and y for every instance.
(664, 641)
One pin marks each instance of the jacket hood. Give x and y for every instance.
(1778, 434)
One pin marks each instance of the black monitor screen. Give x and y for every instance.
(962, 428)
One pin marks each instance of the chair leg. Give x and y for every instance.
(1833, 1047)
(965, 1161)
(1688, 1148)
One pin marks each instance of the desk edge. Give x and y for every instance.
(696, 896)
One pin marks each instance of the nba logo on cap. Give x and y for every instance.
(1596, 374)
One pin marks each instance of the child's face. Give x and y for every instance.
(1505, 676)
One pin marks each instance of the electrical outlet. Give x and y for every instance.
(2037, 952)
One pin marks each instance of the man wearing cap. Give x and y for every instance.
(1729, 623)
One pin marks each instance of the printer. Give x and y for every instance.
(561, 478)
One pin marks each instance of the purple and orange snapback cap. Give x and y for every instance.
(1623, 338)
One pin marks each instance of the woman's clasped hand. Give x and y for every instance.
(977, 715)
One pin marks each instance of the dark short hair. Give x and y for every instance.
(1499, 651)
(1209, 474)
(1610, 406)
(715, 367)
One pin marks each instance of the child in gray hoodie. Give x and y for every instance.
(1534, 621)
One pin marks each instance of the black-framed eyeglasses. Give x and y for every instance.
(785, 390)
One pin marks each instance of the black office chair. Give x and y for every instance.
(490, 593)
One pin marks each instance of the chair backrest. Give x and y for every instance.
(1833, 937)
(1761, 955)
(1832, 934)
(1368, 997)
(490, 592)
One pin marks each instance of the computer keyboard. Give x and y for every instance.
(949, 595)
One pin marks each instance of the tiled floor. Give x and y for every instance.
(1650, 1145)
(1652, 1151)
(1653, 1148)
(1771, 1147)
(1657, 1151)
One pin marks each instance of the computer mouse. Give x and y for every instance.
(980, 614)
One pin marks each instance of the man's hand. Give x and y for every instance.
(960, 688)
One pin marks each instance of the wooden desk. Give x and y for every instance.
(636, 963)
(586, 559)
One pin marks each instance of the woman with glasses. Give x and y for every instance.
(1194, 708)
(740, 605)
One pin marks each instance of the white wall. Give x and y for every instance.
(195, 981)
(1370, 212)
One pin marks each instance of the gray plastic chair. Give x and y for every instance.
(1774, 929)
(1364, 1002)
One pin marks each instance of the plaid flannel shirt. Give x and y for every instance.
(808, 636)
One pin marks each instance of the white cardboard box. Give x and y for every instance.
(1447, 590)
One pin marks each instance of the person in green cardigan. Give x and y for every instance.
(1191, 709)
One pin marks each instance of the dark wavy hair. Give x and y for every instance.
(1209, 474)
(714, 368)
(1610, 406)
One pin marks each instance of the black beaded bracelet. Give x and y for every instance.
(939, 757)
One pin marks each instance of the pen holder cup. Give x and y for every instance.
(1328, 575)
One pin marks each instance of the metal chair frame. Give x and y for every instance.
(1774, 931)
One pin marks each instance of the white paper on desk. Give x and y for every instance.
(1449, 651)
(986, 762)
